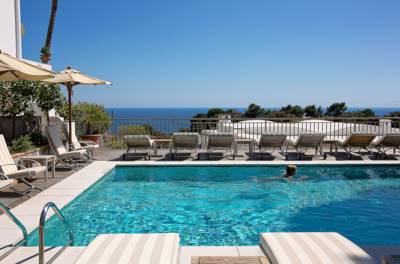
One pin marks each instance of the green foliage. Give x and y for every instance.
(336, 109)
(49, 96)
(135, 130)
(394, 114)
(21, 144)
(16, 98)
(214, 112)
(37, 138)
(91, 118)
(367, 112)
(254, 111)
(296, 110)
(313, 111)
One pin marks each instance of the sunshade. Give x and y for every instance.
(13, 69)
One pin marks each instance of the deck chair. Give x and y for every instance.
(12, 170)
(132, 248)
(183, 140)
(312, 248)
(63, 156)
(354, 141)
(87, 145)
(221, 141)
(385, 143)
(306, 141)
(136, 142)
(271, 141)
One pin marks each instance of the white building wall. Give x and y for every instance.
(10, 27)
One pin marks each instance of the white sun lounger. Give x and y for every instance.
(385, 143)
(271, 141)
(58, 148)
(131, 249)
(11, 170)
(356, 140)
(312, 248)
(87, 145)
(183, 140)
(305, 141)
(136, 142)
(221, 141)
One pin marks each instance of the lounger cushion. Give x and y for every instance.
(4, 184)
(312, 248)
(132, 248)
(26, 172)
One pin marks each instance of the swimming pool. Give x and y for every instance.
(231, 205)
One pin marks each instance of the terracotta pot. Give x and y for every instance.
(93, 137)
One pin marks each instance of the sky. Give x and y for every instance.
(225, 53)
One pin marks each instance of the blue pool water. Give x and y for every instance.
(232, 205)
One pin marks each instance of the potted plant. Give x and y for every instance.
(91, 120)
(45, 54)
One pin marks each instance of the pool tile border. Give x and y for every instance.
(65, 191)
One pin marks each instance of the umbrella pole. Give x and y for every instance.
(69, 88)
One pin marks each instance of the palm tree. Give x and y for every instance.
(45, 53)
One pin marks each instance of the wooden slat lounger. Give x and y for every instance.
(230, 260)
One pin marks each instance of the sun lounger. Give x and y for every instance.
(356, 140)
(12, 170)
(385, 143)
(137, 142)
(312, 248)
(271, 141)
(89, 146)
(306, 141)
(58, 148)
(221, 141)
(132, 248)
(183, 140)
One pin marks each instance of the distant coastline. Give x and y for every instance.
(164, 112)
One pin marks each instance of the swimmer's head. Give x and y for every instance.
(290, 171)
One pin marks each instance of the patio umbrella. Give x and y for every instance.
(13, 69)
(70, 78)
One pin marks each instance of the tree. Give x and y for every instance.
(336, 109)
(91, 118)
(367, 112)
(49, 96)
(214, 112)
(16, 98)
(45, 54)
(254, 111)
(295, 110)
(313, 111)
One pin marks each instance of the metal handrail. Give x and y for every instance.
(21, 226)
(13, 218)
(41, 228)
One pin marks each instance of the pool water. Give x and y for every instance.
(232, 205)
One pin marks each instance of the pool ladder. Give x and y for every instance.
(42, 220)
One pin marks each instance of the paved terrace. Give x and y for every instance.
(32, 206)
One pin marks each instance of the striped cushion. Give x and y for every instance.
(132, 248)
(312, 248)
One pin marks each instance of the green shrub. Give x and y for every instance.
(91, 118)
(135, 130)
(21, 144)
(38, 139)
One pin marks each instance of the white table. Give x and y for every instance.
(245, 141)
(45, 160)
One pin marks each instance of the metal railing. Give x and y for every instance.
(248, 128)
(21, 226)
(41, 228)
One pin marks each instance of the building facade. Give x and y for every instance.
(10, 27)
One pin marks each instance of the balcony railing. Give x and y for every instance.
(247, 128)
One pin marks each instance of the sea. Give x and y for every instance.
(190, 112)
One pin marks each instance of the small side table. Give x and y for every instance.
(158, 141)
(246, 141)
(45, 160)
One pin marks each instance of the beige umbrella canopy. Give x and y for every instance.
(13, 69)
(70, 78)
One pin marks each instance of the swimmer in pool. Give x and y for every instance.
(290, 172)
